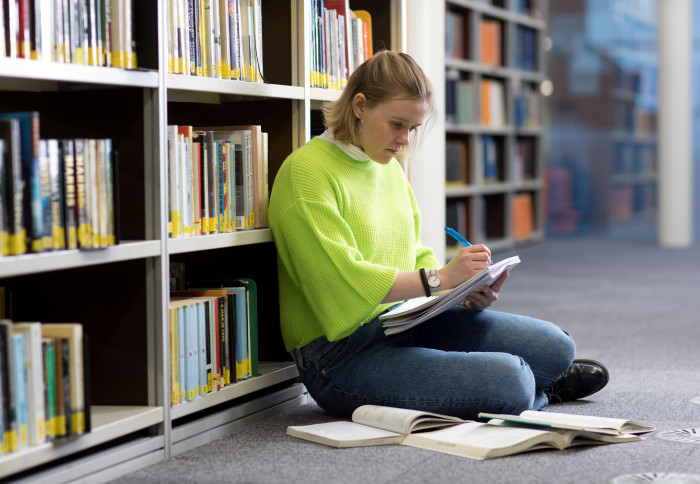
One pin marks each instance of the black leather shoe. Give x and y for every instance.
(583, 378)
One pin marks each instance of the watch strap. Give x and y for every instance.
(426, 286)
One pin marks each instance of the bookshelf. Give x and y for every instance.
(120, 294)
(493, 107)
(604, 147)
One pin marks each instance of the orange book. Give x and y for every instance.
(523, 226)
(491, 42)
(485, 102)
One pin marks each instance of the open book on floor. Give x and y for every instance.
(603, 425)
(376, 425)
(415, 311)
(372, 425)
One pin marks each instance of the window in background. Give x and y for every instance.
(601, 156)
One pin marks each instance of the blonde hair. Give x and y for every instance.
(385, 76)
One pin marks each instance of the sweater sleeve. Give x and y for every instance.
(323, 260)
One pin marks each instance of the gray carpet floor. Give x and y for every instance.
(630, 304)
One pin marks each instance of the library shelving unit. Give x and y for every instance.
(120, 294)
(494, 137)
(613, 170)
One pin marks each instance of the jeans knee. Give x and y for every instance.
(567, 350)
(515, 385)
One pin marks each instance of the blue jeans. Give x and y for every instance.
(460, 363)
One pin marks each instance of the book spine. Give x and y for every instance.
(174, 353)
(240, 187)
(19, 366)
(213, 328)
(174, 185)
(8, 388)
(69, 195)
(213, 182)
(49, 368)
(80, 195)
(202, 344)
(204, 315)
(58, 235)
(182, 353)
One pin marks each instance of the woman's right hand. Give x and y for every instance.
(468, 262)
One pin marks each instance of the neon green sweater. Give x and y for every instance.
(343, 229)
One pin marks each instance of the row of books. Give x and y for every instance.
(460, 99)
(522, 216)
(341, 40)
(457, 160)
(216, 38)
(456, 163)
(455, 27)
(490, 41)
(218, 179)
(461, 102)
(527, 105)
(213, 337)
(55, 193)
(632, 158)
(86, 32)
(627, 201)
(43, 386)
(457, 217)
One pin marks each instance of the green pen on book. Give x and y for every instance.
(457, 236)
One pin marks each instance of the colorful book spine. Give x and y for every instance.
(19, 367)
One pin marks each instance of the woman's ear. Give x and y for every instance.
(359, 104)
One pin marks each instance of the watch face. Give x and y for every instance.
(434, 281)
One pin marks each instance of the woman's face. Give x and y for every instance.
(388, 127)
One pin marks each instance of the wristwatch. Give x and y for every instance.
(434, 281)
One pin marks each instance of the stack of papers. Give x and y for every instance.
(415, 311)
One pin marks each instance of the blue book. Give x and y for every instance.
(181, 352)
(29, 138)
(20, 389)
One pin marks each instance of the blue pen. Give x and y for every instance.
(457, 237)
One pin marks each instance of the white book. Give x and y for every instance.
(606, 425)
(415, 311)
(36, 424)
(176, 229)
(377, 425)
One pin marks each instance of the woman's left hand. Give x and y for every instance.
(486, 295)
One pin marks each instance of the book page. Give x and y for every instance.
(584, 422)
(387, 418)
(482, 441)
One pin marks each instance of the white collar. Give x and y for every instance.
(349, 149)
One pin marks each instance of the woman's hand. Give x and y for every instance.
(486, 295)
(468, 262)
